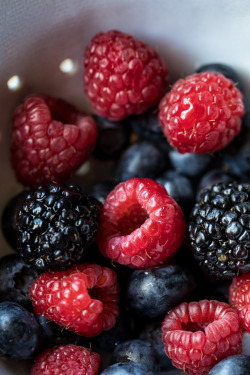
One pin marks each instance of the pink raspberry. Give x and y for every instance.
(239, 297)
(83, 299)
(122, 75)
(202, 113)
(50, 140)
(197, 335)
(65, 360)
(141, 225)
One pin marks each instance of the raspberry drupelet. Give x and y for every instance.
(141, 225)
(122, 75)
(65, 360)
(50, 140)
(239, 297)
(197, 335)
(202, 113)
(84, 299)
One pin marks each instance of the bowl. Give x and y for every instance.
(42, 47)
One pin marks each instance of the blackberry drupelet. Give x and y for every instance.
(219, 229)
(56, 223)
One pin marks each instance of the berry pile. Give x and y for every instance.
(137, 258)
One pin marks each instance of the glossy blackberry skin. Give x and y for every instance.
(147, 125)
(224, 69)
(16, 278)
(8, 221)
(56, 223)
(219, 232)
(235, 364)
(137, 351)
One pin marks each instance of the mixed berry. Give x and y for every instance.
(148, 270)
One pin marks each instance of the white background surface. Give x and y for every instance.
(36, 35)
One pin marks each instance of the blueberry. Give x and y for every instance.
(9, 219)
(16, 278)
(236, 364)
(152, 293)
(137, 351)
(191, 165)
(101, 190)
(224, 69)
(20, 334)
(215, 176)
(112, 138)
(127, 368)
(179, 188)
(147, 125)
(142, 159)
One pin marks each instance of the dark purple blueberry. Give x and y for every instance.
(127, 368)
(212, 177)
(137, 351)
(233, 365)
(101, 190)
(113, 137)
(20, 334)
(152, 332)
(9, 214)
(152, 293)
(142, 159)
(190, 165)
(224, 69)
(178, 187)
(147, 125)
(16, 278)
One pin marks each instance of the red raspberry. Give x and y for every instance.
(141, 225)
(67, 359)
(239, 297)
(83, 299)
(197, 335)
(50, 140)
(201, 114)
(122, 75)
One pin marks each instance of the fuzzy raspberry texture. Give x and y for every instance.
(67, 360)
(141, 225)
(83, 299)
(202, 113)
(239, 297)
(50, 140)
(122, 75)
(197, 335)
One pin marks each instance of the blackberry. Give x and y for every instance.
(219, 229)
(56, 223)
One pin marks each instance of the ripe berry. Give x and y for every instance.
(202, 113)
(141, 226)
(147, 125)
(20, 334)
(83, 299)
(56, 224)
(213, 177)
(219, 231)
(190, 165)
(235, 364)
(127, 368)
(239, 298)
(152, 293)
(67, 359)
(122, 75)
(50, 140)
(200, 334)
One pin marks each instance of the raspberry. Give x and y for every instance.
(141, 225)
(83, 299)
(67, 359)
(202, 113)
(50, 140)
(56, 224)
(122, 75)
(239, 297)
(197, 335)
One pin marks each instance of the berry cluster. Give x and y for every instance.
(122, 258)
